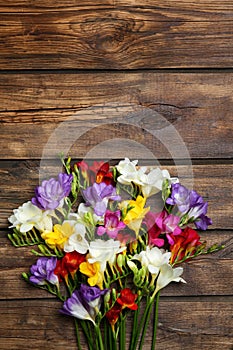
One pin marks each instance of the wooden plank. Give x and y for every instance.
(182, 8)
(116, 38)
(210, 325)
(198, 102)
(214, 182)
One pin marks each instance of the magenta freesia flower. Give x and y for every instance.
(161, 223)
(112, 224)
(98, 196)
(43, 271)
(51, 192)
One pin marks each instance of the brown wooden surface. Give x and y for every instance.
(95, 64)
(116, 35)
(196, 105)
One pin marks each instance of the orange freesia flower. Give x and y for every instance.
(185, 243)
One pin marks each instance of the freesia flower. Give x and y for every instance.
(133, 212)
(129, 172)
(105, 175)
(92, 270)
(152, 182)
(104, 251)
(190, 203)
(167, 275)
(93, 296)
(113, 314)
(77, 241)
(51, 193)
(98, 196)
(127, 299)
(162, 223)
(184, 244)
(69, 264)
(203, 222)
(153, 259)
(180, 196)
(59, 235)
(112, 224)
(76, 307)
(28, 216)
(43, 271)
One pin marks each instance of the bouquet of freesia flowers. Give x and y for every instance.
(108, 240)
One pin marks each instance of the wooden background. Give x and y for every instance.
(82, 59)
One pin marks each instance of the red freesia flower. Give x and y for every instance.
(114, 313)
(184, 244)
(104, 175)
(69, 264)
(127, 299)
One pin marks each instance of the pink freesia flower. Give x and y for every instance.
(161, 223)
(112, 224)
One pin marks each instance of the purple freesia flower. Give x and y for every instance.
(180, 196)
(203, 222)
(51, 192)
(98, 196)
(112, 224)
(43, 271)
(84, 303)
(190, 203)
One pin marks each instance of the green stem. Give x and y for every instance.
(114, 339)
(77, 334)
(155, 323)
(146, 321)
(141, 324)
(135, 325)
(99, 338)
(87, 334)
(122, 333)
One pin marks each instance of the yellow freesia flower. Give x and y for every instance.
(58, 236)
(93, 272)
(133, 212)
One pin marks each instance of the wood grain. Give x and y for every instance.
(117, 38)
(210, 325)
(109, 58)
(201, 103)
(182, 8)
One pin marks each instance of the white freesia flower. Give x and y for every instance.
(28, 216)
(104, 251)
(129, 172)
(167, 275)
(153, 181)
(153, 259)
(77, 241)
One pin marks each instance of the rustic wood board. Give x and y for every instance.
(196, 106)
(210, 325)
(92, 63)
(116, 36)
